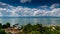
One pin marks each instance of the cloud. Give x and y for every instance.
(24, 1)
(55, 6)
(25, 11)
(55, 12)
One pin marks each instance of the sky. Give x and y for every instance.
(13, 8)
(30, 3)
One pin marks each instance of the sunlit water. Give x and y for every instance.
(24, 21)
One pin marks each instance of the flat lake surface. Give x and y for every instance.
(24, 21)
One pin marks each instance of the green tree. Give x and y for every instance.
(2, 32)
(0, 25)
(38, 27)
(27, 28)
(6, 25)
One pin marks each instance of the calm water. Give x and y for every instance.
(24, 21)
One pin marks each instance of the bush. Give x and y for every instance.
(34, 32)
(2, 32)
(6, 25)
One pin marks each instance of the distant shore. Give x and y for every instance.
(29, 16)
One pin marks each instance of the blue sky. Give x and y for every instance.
(29, 8)
(32, 3)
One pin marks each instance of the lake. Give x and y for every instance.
(24, 21)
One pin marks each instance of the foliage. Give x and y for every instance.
(34, 32)
(27, 28)
(2, 32)
(6, 25)
(0, 26)
(39, 29)
(21, 33)
(33, 29)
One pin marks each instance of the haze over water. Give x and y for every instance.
(24, 21)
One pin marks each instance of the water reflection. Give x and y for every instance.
(24, 21)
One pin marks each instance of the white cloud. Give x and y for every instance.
(2, 9)
(55, 12)
(24, 11)
(54, 6)
(24, 1)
